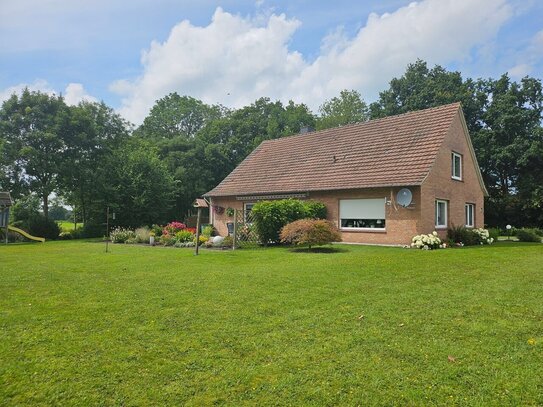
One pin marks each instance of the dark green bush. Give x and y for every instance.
(461, 234)
(93, 230)
(271, 216)
(527, 235)
(40, 226)
(494, 233)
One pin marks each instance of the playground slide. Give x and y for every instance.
(22, 232)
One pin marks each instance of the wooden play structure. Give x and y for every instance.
(5, 204)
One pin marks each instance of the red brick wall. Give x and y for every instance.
(440, 185)
(401, 223)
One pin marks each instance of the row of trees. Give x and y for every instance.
(91, 158)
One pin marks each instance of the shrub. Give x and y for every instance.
(39, 225)
(428, 242)
(184, 236)
(483, 236)
(494, 233)
(168, 240)
(208, 231)
(93, 230)
(143, 234)
(122, 235)
(227, 242)
(173, 227)
(461, 235)
(202, 239)
(271, 216)
(527, 235)
(310, 232)
(156, 230)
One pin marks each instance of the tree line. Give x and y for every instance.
(91, 158)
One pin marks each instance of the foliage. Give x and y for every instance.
(526, 235)
(483, 236)
(23, 209)
(31, 125)
(156, 230)
(143, 234)
(122, 235)
(494, 234)
(271, 216)
(40, 226)
(461, 235)
(208, 231)
(431, 241)
(310, 232)
(201, 240)
(91, 229)
(347, 108)
(184, 236)
(228, 241)
(229, 212)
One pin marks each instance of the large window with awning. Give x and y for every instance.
(362, 213)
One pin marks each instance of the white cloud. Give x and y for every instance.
(236, 59)
(528, 57)
(75, 93)
(38, 85)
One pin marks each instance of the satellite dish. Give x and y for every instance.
(404, 197)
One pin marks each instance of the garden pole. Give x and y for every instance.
(197, 232)
(235, 229)
(107, 228)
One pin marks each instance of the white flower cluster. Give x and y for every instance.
(427, 242)
(484, 236)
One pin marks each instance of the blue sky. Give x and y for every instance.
(130, 54)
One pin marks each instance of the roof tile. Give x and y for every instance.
(393, 151)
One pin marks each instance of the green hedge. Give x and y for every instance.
(271, 216)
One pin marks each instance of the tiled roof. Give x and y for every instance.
(393, 151)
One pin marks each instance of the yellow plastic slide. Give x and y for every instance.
(22, 232)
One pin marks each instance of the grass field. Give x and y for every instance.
(363, 326)
(66, 226)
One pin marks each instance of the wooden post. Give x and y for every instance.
(5, 214)
(107, 228)
(235, 229)
(197, 231)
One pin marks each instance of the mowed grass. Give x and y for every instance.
(67, 226)
(364, 326)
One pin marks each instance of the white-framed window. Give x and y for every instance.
(441, 213)
(363, 214)
(456, 166)
(470, 215)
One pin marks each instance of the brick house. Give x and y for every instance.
(364, 173)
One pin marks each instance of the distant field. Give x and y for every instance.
(363, 326)
(66, 226)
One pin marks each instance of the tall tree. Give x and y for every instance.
(347, 108)
(31, 134)
(178, 116)
(92, 133)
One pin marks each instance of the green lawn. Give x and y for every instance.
(67, 226)
(365, 326)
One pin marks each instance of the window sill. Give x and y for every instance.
(364, 230)
(441, 227)
(457, 179)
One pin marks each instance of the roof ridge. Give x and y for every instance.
(380, 119)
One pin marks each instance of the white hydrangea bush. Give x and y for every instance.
(484, 236)
(430, 241)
